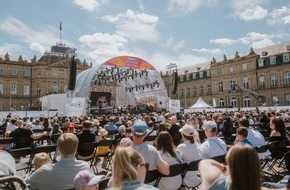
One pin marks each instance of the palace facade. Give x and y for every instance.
(23, 82)
(264, 71)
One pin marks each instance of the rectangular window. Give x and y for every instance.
(193, 76)
(244, 66)
(13, 71)
(285, 58)
(201, 74)
(181, 78)
(13, 89)
(261, 63)
(1, 89)
(1, 70)
(272, 60)
(231, 69)
(26, 90)
(38, 72)
(220, 71)
(26, 73)
(54, 72)
(187, 77)
(208, 73)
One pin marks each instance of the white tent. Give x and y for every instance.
(200, 104)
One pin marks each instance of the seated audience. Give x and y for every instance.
(39, 160)
(243, 171)
(149, 152)
(165, 146)
(24, 137)
(213, 146)
(278, 128)
(85, 180)
(60, 175)
(86, 136)
(129, 170)
(242, 135)
(189, 151)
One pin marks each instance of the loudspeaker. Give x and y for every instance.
(72, 74)
(175, 82)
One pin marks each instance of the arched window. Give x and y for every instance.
(274, 80)
(233, 102)
(221, 87)
(246, 82)
(221, 102)
(247, 101)
(54, 88)
(65, 88)
(261, 82)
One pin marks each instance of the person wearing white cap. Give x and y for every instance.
(189, 151)
(213, 146)
(85, 180)
(149, 152)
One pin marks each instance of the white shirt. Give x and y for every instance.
(170, 183)
(188, 153)
(10, 127)
(256, 138)
(213, 147)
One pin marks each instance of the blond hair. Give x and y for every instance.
(125, 163)
(67, 144)
(40, 159)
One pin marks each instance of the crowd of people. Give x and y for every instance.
(179, 138)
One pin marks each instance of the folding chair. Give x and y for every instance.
(89, 149)
(150, 139)
(5, 142)
(54, 138)
(151, 177)
(175, 170)
(220, 159)
(192, 166)
(22, 153)
(108, 156)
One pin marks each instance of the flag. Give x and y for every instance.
(60, 27)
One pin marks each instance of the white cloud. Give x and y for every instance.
(159, 61)
(136, 26)
(103, 46)
(11, 49)
(173, 44)
(211, 51)
(280, 16)
(31, 36)
(223, 41)
(90, 5)
(255, 13)
(262, 43)
(183, 7)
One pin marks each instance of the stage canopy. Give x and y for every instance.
(134, 77)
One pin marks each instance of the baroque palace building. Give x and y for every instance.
(23, 82)
(237, 81)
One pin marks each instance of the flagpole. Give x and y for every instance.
(60, 30)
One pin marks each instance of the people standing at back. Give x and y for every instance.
(213, 146)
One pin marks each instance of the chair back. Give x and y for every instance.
(150, 138)
(151, 176)
(263, 148)
(220, 159)
(7, 140)
(287, 161)
(103, 184)
(192, 166)
(45, 148)
(89, 148)
(54, 138)
(106, 142)
(20, 152)
(175, 170)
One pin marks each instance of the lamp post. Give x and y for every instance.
(170, 67)
(10, 100)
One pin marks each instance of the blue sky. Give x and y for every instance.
(184, 32)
